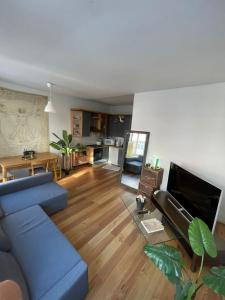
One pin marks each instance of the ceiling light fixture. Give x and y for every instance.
(49, 107)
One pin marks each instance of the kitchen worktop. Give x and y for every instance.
(103, 146)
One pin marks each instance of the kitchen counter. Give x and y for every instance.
(103, 146)
(96, 146)
(119, 147)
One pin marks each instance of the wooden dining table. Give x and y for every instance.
(17, 162)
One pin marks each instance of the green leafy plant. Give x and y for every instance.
(169, 261)
(64, 145)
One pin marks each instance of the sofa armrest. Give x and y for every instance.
(24, 183)
(74, 285)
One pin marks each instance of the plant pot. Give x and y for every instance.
(66, 163)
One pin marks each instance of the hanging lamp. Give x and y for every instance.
(49, 107)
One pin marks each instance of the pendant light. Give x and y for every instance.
(49, 107)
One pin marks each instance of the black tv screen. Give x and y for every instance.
(200, 198)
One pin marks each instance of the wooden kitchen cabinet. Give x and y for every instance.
(80, 123)
(98, 122)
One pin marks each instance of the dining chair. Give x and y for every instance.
(55, 165)
(10, 176)
(39, 166)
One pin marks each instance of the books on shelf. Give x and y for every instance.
(152, 225)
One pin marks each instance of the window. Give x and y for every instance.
(136, 144)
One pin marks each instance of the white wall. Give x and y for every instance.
(63, 104)
(187, 126)
(61, 119)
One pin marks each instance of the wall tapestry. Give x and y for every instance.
(23, 123)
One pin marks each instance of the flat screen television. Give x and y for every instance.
(197, 196)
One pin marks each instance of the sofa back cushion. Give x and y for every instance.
(10, 270)
(24, 183)
(4, 241)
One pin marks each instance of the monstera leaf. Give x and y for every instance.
(167, 259)
(201, 238)
(215, 280)
(185, 290)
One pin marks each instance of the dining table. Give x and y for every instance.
(17, 162)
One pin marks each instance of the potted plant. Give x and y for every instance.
(66, 148)
(169, 260)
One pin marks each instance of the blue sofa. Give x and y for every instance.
(33, 252)
(28, 191)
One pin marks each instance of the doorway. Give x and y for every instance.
(134, 157)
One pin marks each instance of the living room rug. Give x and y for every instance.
(111, 168)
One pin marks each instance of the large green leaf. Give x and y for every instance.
(168, 259)
(70, 137)
(185, 290)
(201, 238)
(56, 136)
(65, 137)
(215, 280)
(56, 146)
(61, 143)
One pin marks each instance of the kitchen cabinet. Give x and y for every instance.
(120, 156)
(113, 155)
(97, 153)
(80, 123)
(98, 123)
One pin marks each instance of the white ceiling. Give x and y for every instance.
(107, 48)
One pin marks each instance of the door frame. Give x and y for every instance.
(126, 140)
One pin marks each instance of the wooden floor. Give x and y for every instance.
(99, 226)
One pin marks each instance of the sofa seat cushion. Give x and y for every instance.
(50, 196)
(10, 270)
(40, 248)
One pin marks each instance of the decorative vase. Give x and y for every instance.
(66, 163)
(140, 205)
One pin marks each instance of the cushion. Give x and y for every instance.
(40, 248)
(50, 196)
(24, 183)
(4, 241)
(11, 270)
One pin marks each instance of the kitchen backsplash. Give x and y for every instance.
(86, 140)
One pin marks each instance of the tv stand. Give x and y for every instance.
(181, 219)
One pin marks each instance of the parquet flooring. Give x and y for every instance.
(100, 227)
